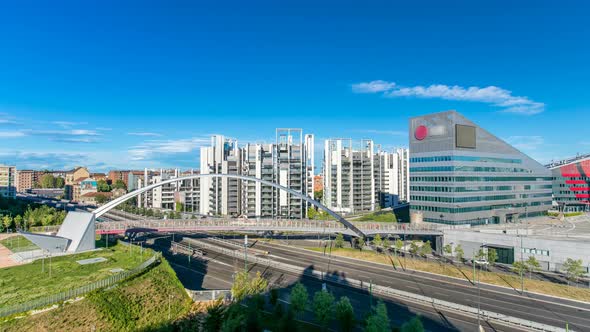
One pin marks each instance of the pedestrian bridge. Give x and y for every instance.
(300, 226)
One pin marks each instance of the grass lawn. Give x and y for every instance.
(378, 217)
(138, 304)
(23, 283)
(18, 243)
(465, 272)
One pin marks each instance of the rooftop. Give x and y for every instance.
(572, 160)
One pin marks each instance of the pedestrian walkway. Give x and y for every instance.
(5, 259)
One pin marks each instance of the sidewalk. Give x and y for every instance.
(5, 259)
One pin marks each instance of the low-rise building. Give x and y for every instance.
(26, 179)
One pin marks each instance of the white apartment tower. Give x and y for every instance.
(220, 196)
(391, 177)
(293, 164)
(349, 184)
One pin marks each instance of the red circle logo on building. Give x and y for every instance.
(421, 132)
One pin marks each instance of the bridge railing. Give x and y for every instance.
(181, 224)
(77, 292)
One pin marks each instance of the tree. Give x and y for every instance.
(378, 321)
(377, 241)
(102, 186)
(299, 298)
(19, 222)
(459, 252)
(360, 243)
(519, 267)
(345, 314)
(119, 184)
(532, 265)
(323, 307)
(47, 181)
(7, 222)
(386, 243)
(480, 255)
(311, 212)
(243, 286)
(318, 195)
(60, 182)
(413, 325)
(339, 240)
(492, 256)
(399, 244)
(100, 199)
(214, 318)
(448, 249)
(573, 269)
(414, 247)
(426, 249)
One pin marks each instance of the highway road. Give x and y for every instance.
(540, 309)
(215, 271)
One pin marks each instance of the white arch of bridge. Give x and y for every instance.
(108, 206)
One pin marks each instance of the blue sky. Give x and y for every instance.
(113, 85)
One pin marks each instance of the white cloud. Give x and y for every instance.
(145, 134)
(68, 136)
(11, 134)
(373, 86)
(68, 124)
(153, 148)
(491, 95)
(6, 119)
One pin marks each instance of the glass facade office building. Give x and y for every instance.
(462, 174)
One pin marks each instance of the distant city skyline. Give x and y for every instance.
(127, 87)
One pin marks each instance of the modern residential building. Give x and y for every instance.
(391, 175)
(26, 179)
(220, 196)
(462, 174)
(349, 183)
(293, 168)
(258, 200)
(8, 181)
(571, 183)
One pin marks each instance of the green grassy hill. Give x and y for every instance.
(137, 304)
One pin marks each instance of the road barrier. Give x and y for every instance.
(77, 292)
(387, 291)
(209, 295)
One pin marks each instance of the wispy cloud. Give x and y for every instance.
(155, 148)
(526, 143)
(43, 160)
(373, 86)
(67, 136)
(490, 95)
(68, 124)
(6, 119)
(145, 134)
(11, 134)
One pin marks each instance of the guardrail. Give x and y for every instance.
(76, 292)
(387, 291)
(209, 295)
